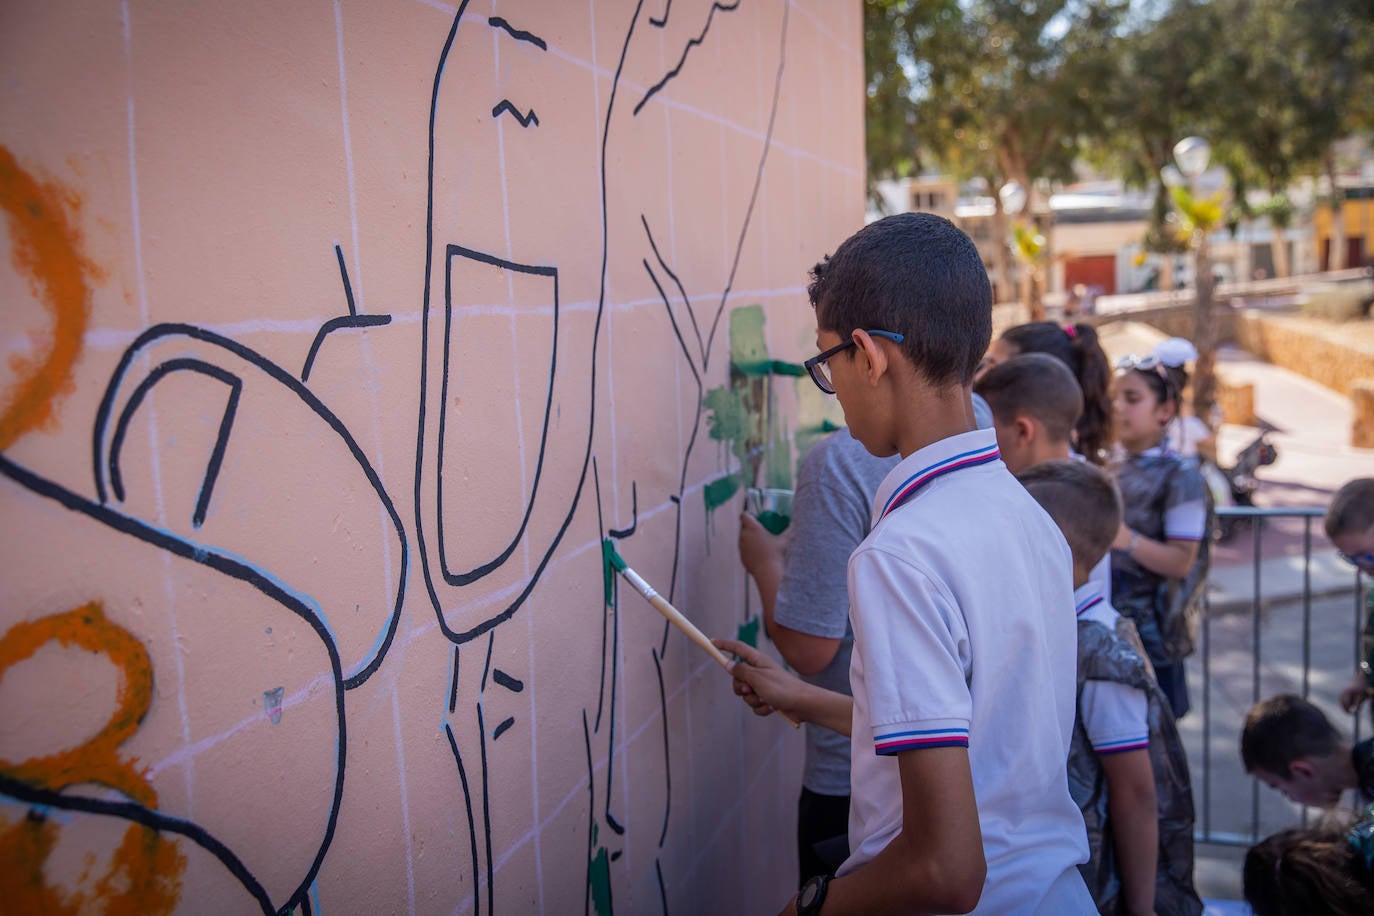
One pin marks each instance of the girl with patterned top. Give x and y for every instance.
(1159, 555)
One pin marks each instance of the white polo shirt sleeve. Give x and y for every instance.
(1115, 716)
(916, 654)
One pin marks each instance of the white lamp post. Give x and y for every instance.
(1013, 197)
(1192, 155)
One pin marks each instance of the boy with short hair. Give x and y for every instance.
(1035, 403)
(1128, 770)
(1289, 745)
(963, 681)
(1350, 526)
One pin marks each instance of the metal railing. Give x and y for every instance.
(1205, 831)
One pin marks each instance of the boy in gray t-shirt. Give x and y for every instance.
(802, 583)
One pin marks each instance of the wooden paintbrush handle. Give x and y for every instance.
(686, 626)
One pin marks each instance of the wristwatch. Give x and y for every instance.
(812, 895)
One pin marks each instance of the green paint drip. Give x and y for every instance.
(719, 491)
(599, 879)
(729, 419)
(749, 633)
(779, 367)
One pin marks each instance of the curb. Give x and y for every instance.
(1221, 603)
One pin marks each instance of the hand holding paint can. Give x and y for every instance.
(772, 507)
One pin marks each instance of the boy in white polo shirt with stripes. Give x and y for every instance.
(961, 602)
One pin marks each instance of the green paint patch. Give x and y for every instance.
(729, 419)
(741, 415)
(719, 491)
(748, 346)
(749, 633)
(608, 576)
(599, 880)
(763, 367)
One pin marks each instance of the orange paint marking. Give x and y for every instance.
(144, 871)
(46, 248)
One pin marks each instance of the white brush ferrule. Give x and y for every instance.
(644, 588)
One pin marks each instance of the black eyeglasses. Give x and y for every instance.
(819, 370)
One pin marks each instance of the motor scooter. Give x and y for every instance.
(1240, 483)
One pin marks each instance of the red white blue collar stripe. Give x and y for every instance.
(909, 487)
(1091, 601)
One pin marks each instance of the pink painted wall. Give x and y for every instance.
(337, 336)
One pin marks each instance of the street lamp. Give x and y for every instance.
(1013, 196)
(1192, 155)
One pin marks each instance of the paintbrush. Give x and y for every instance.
(676, 617)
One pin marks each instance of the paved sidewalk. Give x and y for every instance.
(1310, 427)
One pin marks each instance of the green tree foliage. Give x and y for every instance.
(899, 38)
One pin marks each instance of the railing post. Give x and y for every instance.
(1255, 525)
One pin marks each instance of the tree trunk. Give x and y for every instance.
(1035, 294)
(1001, 256)
(1166, 273)
(1278, 247)
(1204, 334)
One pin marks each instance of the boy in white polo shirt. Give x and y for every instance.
(961, 596)
(1128, 770)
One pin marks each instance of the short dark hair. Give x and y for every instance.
(1352, 508)
(1077, 346)
(1283, 729)
(1083, 502)
(918, 275)
(1037, 385)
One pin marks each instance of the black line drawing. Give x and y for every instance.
(507, 106)
(235, 568)
(249, 376)
(667, 759)
(496, 22)
(351, 320)
(682, 61)
(366, 651)
(514, 685)
(472, 575)
(335, 324)
(445, 581)
(221, 439)
(348, 287)
(634, 515)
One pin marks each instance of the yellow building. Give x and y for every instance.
(1357, 214)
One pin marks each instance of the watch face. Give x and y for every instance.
(808, 893)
